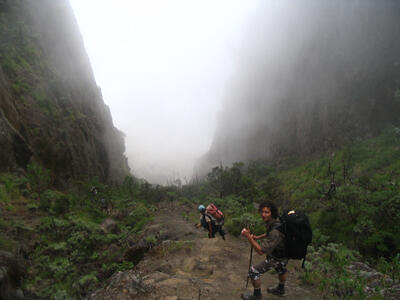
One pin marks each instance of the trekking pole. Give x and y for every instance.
(251, 258)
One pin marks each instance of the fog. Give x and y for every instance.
(310, 76)
(162, 67)
(241, 80)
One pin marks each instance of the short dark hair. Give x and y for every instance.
(271, 205)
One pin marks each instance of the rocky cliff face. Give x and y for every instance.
(51, 110)
(312, 76)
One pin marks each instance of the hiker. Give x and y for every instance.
(105, 206)
(93, 194)
(93, 190)
(209, 222)
(272, 244)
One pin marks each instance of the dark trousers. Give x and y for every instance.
(217, 228)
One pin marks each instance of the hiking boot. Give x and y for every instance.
(278, 291)
(250, 296)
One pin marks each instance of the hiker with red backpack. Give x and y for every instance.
(286, 237)
(212, 219)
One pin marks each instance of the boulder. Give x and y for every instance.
(11, 271)
(375, 280)
(136, 252)
(110, 226)
(122, 285)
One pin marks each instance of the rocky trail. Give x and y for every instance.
(188, 265)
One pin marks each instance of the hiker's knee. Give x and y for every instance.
(254, 274)
(280, 267)
(281, 272)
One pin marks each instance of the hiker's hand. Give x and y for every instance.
(254, 237)
(245, 232)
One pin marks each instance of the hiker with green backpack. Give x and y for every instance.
(286, 237)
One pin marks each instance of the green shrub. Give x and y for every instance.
(55, 201)
(32, 206)
(110, 268)
(326, 268)
(3, 224)
(60, 267)
(151, 239)
(139, 216)
(60, 247)
(390, 267)
(55, 292)
(38, 177)
(4, 197)
(236, 224)
(6, 244)
(21, 226)
(87, 282)
(45, 201)
(381, 243)
(21, 88)
(9, 188)
(346, 287)
(319, 238)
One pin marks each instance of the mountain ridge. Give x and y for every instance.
(52, 112)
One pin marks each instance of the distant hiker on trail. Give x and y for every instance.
(212, 219)
(273, 245)
(93, 190)
(105, 206)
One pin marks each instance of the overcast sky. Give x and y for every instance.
(162, 67)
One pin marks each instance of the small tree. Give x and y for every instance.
(39, 178)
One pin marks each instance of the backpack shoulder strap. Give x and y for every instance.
(210, 217)
(276, 225)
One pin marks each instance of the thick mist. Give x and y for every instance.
(162, 67)
(310, 76)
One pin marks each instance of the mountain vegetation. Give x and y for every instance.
(71, 242)
(57, 138)
(312, 124)
(51, 110)
(311, 76)
(66, 243)
(351, 196)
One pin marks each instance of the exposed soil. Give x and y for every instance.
(189, 265)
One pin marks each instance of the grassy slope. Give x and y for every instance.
(362, 211)
(67, 254)
(361, 215)
(70, 255)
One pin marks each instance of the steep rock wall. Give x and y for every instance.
(312, 76)
(51, 110)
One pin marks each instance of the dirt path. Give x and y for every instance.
(188, 265)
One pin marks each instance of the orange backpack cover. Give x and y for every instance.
(214, 211)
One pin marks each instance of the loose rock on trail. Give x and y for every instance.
(188, 265)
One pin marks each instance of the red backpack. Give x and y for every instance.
(214, 211)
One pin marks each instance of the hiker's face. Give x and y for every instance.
(266, 214)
